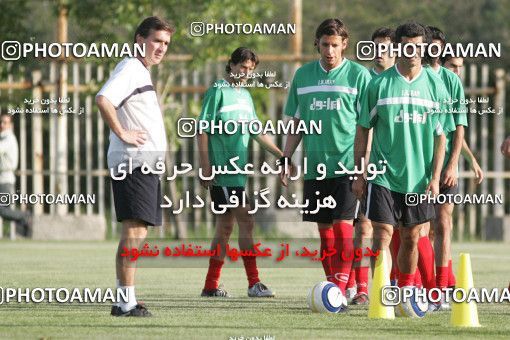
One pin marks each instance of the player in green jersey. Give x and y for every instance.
(358, 283)
(385, 60)
(227, 101)
(455, 65)
(405, 106)
(443, 224)
(329, 90)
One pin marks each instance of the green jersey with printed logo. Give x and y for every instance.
(406, 116)
(456, 96)
(224, 103)
(331, 99)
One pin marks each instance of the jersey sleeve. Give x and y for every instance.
(121, 84)
(363, 81)
(459, 107)
(292, 106)
(444, 122)
(368, 107)
(210, 106)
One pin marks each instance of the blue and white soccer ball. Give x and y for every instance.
(326, 297)
(413, 307)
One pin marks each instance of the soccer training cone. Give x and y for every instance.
(464, 314)
(376, 309)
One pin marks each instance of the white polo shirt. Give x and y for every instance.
(130, 90)
(8, 157)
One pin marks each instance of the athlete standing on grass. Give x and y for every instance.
(227, 101)
(129, 106)
(455, 65)
(397, 106)
(443, 224)
(363, 226)
(329, 91)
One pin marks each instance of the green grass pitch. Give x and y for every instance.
(172, 295)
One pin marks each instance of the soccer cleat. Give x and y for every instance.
(138, 311)
(343, 309)
(260, 290)
(360, 299)
(218, 292)
(434, 307)
(441, 305)
(350, 293)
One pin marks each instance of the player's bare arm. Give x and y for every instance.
(450, 175)
(439, 152)
(291, 145)
(268, 145)
(203, 155)
(505, 147)
(360, 151)
(473, 163)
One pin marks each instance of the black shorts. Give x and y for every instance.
(138, 197)
(390, 207)
(447, 195)
(449, 190)
(221, 195)
(340, 189)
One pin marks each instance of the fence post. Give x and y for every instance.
(37, 142)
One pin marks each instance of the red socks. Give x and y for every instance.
(344, 246)
(252, 273)
(441, 277)
(426, 262)
(362, 279)
(451, 276)
(213, 274)
(352, 279)
(327, 242)
(405, 279)
(417, 279)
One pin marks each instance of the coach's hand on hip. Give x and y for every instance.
(135, 137)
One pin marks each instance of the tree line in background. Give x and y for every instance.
(115, 21)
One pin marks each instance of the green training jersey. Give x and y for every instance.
(374, 73)
(456, 95)
(223, 103)
(405, 115)
(333, 99)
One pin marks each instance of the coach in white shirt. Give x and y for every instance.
(129, 105)
(8, 164)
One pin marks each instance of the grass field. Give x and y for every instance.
(172, 294)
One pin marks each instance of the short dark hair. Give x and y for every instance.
(437, 34)
(152, 23)
(412, 30)
(448, 56)
(331, 27)
(384, 32)
(240, 55)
